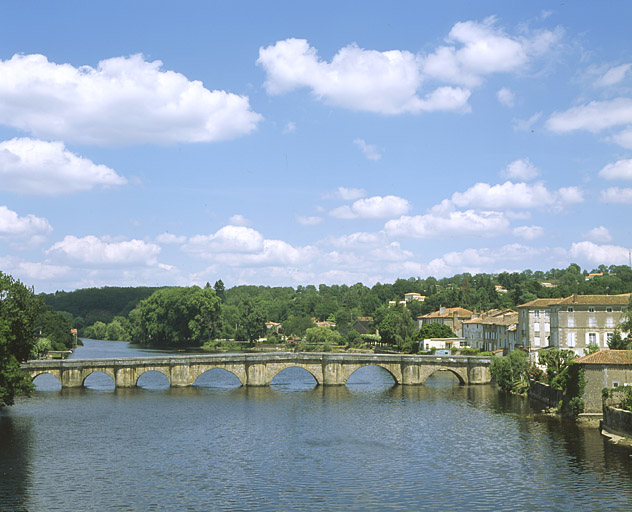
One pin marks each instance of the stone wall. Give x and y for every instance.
(599, 376)
(545, 393)
(616, 421)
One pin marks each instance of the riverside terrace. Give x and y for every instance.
(329, 369)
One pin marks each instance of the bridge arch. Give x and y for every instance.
(459, 373)
(394, 372)
(297, 366)
(49, 376)
(200, 369)
(153, 379)
(142, 371)
(222, 372)
(105, 371)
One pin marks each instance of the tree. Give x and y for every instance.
(220, 290)
(323, 335)
(297, 325)
(509, 372)
(435, 330)
(19, 308)
(253, 320)
(616, 342)
(176, 317)
(397, 326)
(555, 361)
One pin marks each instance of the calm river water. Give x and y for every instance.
(296, 447)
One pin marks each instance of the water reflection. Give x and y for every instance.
(370, 445)
(16, 440)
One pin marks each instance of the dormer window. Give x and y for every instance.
(608, 310)
(570, 309)
(591, 310)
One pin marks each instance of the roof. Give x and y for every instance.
(495, 317)
(539, 303)
(607, 357)
(448, 313)
(609, 300)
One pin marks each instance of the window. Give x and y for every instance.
(608, 310)
(536, 327)
(570, 339)
(609, 336)
(592, 338)
(571, 321)
(547, 328)
(591, 310)
(570, 309)
(615, 384)
(592, 321)
(609, 322)
(546, 313)
(536, 342)
(536, 313)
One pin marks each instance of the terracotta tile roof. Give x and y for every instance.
(607, 357)
(618, 300)
(495, 317)
(539, 303)
(448, 313)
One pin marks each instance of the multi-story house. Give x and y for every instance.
(494, 330)
(534, 325)
(581, 320)
(452, 317)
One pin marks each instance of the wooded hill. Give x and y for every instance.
(296, 307)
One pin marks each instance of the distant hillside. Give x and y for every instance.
(103, 304)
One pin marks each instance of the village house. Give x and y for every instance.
(408, 297)
(534, 325)
(452, 317)
(604, 369)
(491, 331)
(581, 320)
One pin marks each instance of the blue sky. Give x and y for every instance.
(286, 143)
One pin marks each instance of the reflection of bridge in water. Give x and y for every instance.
(329, 369)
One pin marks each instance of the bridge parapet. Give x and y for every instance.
(259, 369)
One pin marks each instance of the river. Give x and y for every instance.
(366, 446)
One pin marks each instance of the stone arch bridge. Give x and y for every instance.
(259, 369)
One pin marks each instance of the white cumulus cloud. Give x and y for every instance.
(30, 166)
(479, 49)
(528, 232)
(384, 82)
(12, 225)
(522, 170)
(229, 239)
(511, 195)
(91, 250)
(620, 170)
(376, 207)
(599, 234)
(599, 254)
(124, 100)
(617, 195)
(593, 117)
(467, 222)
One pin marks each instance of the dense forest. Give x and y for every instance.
(240, 312)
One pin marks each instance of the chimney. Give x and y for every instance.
(441, 310)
